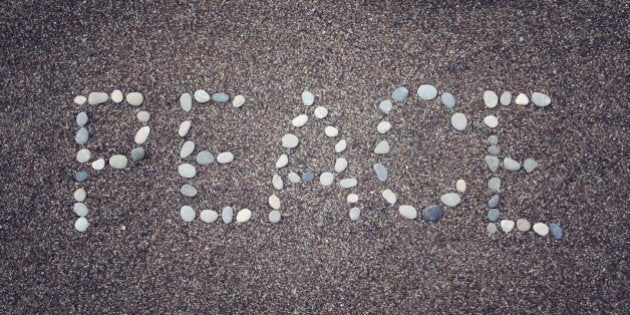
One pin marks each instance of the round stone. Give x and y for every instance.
(82, 119)
(238, 101)
(427, 92)
(134, 99)
(308, 177)
(506, 98)
(225, 157)
(205, 158)
(556, 230)
(354, 213)
(341, 146)
(507, 225)
(493, 140)
(491, 121)
(117, 96)
(530, 165)
(493, 202)
(143, 116)
(494, 150)
(459, 121)
(188, 190)
(493, 214)
(382, 147)
(511, 165)
(400, 94)
(118, 161)
(80, 99)
(451, 199)
(186, 170)
(385, 106)
(80, 209)
(541, 99)
(326, 178)
(331, 131)
(320, 112)
(138, 153)
(290, 141)
(389, 196)
(460, 185)
(299, 121)
(491, 228)
(227, 215)
(220, 97)
(348, 182)
(96, 98)
(340, 165)
(274, 202)
(490, 99)
(383, 127)
(187, 213)
(523, 225)
(352, 198)
(83, 155)
(381, 172)
(81, 224)
(187, 149)
(81, 176)
(208, 216)
(541, 229)
(142, 135)
(243, 215)
(184, 128)
(201, 96)
(275, 216)
(408, 212)
(448, 100)
(185, 101)
(521, 99)
(80, 195)
(308, 98)
(492, 162)
(294, 177)
(283, 160)
(99, 164)
(494, 184)
(82, 136)
(432, 213)
(276, 182)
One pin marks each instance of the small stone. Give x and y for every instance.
(427, 92)
(117, 96)
(308, 98)
(432, 213)
(352, 198)
(201, 96)
(308, 177)
(493, 202)
(227, 215)
(331, 131)
(184, 128)
(400, 94)
(187, 149)
(320, 112)
(541, 99)
(290, 141)
(348, 182)
(82, 119)
(208, 216)
(340, 165)
(491, 228)
(490, 99)
(81, 176)
(341, 146)
(460, 185)
(220, 97)
(521, 99)
(185, 101)
(511, 165)
(81, 224)
(383, 127)
(275, 216)
(541, 229)
(143, 116)
(530, 165)
(523, 225)
(385, 106)
(83, 155)
(491, 121)
(80, 99)
(82, 136)
(492, 162)
(118, 161)
(408, 212)
(294, 177)
(277, 182)
(134, 99)
(448, 100)
(79, 195)
(142, 135)
(238, 101)
(96, 98)
(188, 190)
(225, 157)
(354, 213)
(138, 153)
(556, 230)
(389, 196)
(382, 147)
(205, 158)
(507, 225)
(506, 98)
(243, 215)
(494, 150)
(274, 202)
(187, 213)
(493, 140)
(459, 121)
(493, 214)
(283, 160)
(99, 164)
(494, 184)
(381, 172)
(299, 121)
(451, 199)
(186, 170)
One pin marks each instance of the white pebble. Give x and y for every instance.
(340, 165)
(184, 128)
(81, 224)
(143, 116)
(541, 229)
(142, 135)
(134, 99)
(80, 99)
(321, 112)
(308, 98)
(348, 182)
(490, 99)
(96, 98)
(208, 216)
(187, 213)
(389, 196)
(83, 155)
(185, 101)
(459, 121)
(239, 100)
(352, 198)
(507, 225)
(290, 141)
(299, 121)
(225, 157)
(382, 147)
(511, 165)
(201, 96)
(460, 185)
(341, 146)
(80, 195)
(275, 216)
(451, 199)
(243, 216)
(354, 213)
(383, 127)
(98, 164)
(326, 178)
(521, 99)
(118, 161)
(274, 202)
(186, 170)
(277, 182)
(80, 209)
(117, 96)
(506, 98)
(294, 177)
(331, 131)
(491, 121)
(408, 212)
(187, 149)
(283, 160)
(540, 99)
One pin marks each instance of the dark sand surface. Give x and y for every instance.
(316, 261)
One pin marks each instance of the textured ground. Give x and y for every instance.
(316, 261)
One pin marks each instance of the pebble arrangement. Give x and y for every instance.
(116, 161)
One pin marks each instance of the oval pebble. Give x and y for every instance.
(320, 112)
(238, 101)
(283, 160)
(83, 155)
(142, 135)
(82, 119)
(507, 225)
(79, 195)
(187, 213)
(383, 127)
(521, 99)
(381, 172)
(331, 131)
(427, 92)
(308, 98)
(382, 147)
(243, 215)
(490, 99)
(220, 97)
(341, 164)
(460, 185)
(432, 213)
(494, 150)
(448, 100)
(308, 177)
(186, 170)
(354, 213)
(493, 202)
(81, 224)
(290, 141)
(385, 106)
(82, 136)
(294, 177)
(523, 225)
(81, 176)
(341, 146)
(138, 153)
(143, 116)
(540, 99)
(491, 121)
(225, 157)
(556, 230)
(81, 209)
(134, 99)
(451, 199)
(352, 198)
(80, 99)
(491, 228)
(492, 162)
(400, 94)
(204, 158)
(96, 98)
(187, 149)
(326, 179)
(118, 161)
(511, 165)
(459, 121)
(493, 140)
(541, 229)
(116, 96)
(201, 96)
(275, 216)
(98, 164)
(389, 196)
(188, 190)
(276, 182)
(227, 215)
(493, 214)
(408, 212)
(494, 184)
(274, 202)
(184, 128)
(185, 101)
(506, 98)
(348, 182)
(208, 216)
(299, 121)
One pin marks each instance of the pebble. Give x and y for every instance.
(138, 153)
(81, 209)
(283, 160)
(556, 230)
(185, 101)
(490, 99)
(274, 202)
(184, 128)
(507, 225)
(187, 213)
(82, 119)
(80, 99)
(331, 131)
(118, 161)
(511, 165)
(188, 190)
(320, 112)
(494, 184)
(491, 121)
(492, 162)
(117, 96)
(385, 106)
(79, 195)
(238, 101)
(541, 229)
(96, 98)
(427, 92)
(352, 198)
(143, 116)
(275, 216)
(530, 165)
(448, 100)
(201, 96)
(523, 225)
(294, 177)
(208, 216)
(83, 155)
(493, 140)
(277, 182)
(290, 141)
(299, 121)
(187, 149)
(99, 164)
(341, 146)
(220, 97)
(494, 150)
(243, 215)
(308, 177)
(451, 199)
(227, 215)
(340, 165)
(408, 212)
(82, 136)
(348, 182)
(81, 224)
(506, 98)
(491, 228)
(383, 127)
(432, 213)
(541, 99)
(205, 158)
(81, 176)
(493, 214)
(389, 196)
(225, 157)
(142, 135)
(382, 147)
(186, 170)
(493, 202)
(354, 213)
(521, 99)
(134, 99)
(308, 98)
(381, 172)
(400, 94)
(459, 121)
(326, 178)
(460, 185)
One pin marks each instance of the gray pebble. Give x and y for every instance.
(400, 94)
(81, 209)
(493, 202)
(448, 100)
(491, 228)
(204, 158)
(188, 190)
(81, 176)
(506, 98)
(493, 214)
(381, 172)
(511, 164)
(494, 184)
(492, 162)
(220, 97)
(227, 215)
(494, 150)
(138, 153)
(427, 92)
(493, 140)
(275, 216)
(82, 119)
(308, 177)
(530, 165)
(82, 136)
(556, 230)
(385, 106)
(432, 213)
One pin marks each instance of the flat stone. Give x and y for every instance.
(490, 99)
(354, 213)
(186, 170)
(117, 96)
(225, 157)
(205, 158)
(541, 229)
(320, 112)
(556, 230)
(188, 190)
(348, 182)
(308, 98)
(187, 213)
(541, 99)
(493, 140)
(143, 116)
(184, 128)
(491, 228)
(523, 225)
(521, 99)
(185, 101)
(227, 214)
(432, 213)
(275, 216)
(460, 185)
(448, 100)
(308, 177)
(187, 149)
(506, 98)
(243, 215)
(381, 172)
(283, 160)
(451, 199)
(99, 164)
(408, 212)
(427, 92)
(341, 146)
(238, 101)
(82, 119)
(492, 162)
(81, 176)
(400, 94)
(383, 127)
(201, 96)
(83, 155)
(341, 164)
(277, 182)
(385, 106)
(220, 97)
(294, 177)
(208, 216)
(352, 198)
(290, 141)
(511, 165)
(118, 161)
(81, 224)
(134, 99)
(142, 135)
(274, 202)
(82, 136)
(80, 99)
(491, 121)
(493, 214)
(299, 121)
(382, 147)
(494, 184)
(493, 202)
(389, 196)
(459, 121)
(507, 225)
(96, 98)
(494, 150)
(331, 131)
(530, 165)
(81, 209)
